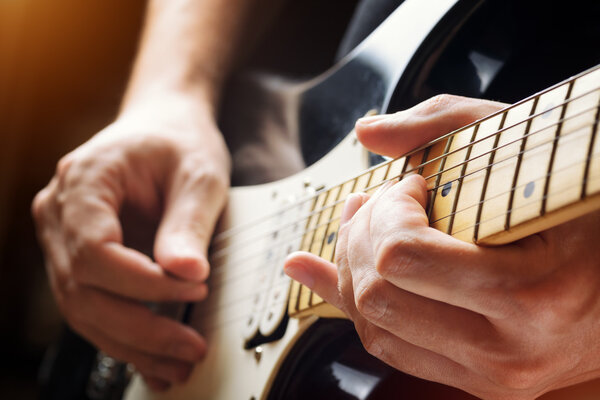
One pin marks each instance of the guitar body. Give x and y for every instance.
(301, 133)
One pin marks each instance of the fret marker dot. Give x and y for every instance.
(446, 189)
(330, 237)
(529, 188)
(548, 111)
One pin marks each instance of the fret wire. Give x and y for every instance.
(461, 176)
(222, 252)
(337, 201)
(319, 215)
(285, 301)
(554, 148)
(531, 202)
(508, 144)
(511, 195)
(240, 228)
(508, 108)
(404, 168)
(508, 191)
(486, 179)
(327, 224)
(586, 170)
(439, 177)
(424, 160)
(387, 171)
(500, 131)
(312, 232)
(261, 252)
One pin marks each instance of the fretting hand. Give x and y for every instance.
(510, 322)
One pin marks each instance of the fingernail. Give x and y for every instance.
(298, 273)
(183, 248)
(371, 119)
(351, 206)
(186, 260)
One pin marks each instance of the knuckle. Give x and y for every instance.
(370, 340)
(439, 102)
(195, 171)
(369, 301)
(518, 374)
(39, 205)
(64, 164)
(559, 307)
(398, 255)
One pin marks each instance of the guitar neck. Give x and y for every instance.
(522, 170)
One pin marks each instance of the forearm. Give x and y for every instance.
(189, 47)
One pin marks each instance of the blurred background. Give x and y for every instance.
(63, 67)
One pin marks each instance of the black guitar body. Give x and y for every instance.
(503, 50)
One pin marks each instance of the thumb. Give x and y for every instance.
(193, 204)
(395, 134)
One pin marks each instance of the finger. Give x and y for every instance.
(454, 332)
(98, 258)
(427, 262)
(315, 273)
(353, 202)
(193, 204)
(129, 273)
(163, 368)
(396, 134)
(135, 326)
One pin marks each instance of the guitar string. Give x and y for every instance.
(231, 250)
(252, 240)
(544, 197)
(290, 240)
(240, 228)
(261, 311)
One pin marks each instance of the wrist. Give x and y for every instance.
(178, 116)
(169, 94)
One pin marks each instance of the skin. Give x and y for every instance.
(509, 322)
(165, 157)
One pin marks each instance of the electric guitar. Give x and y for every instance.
(521, 170)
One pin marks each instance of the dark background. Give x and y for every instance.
(63, 66)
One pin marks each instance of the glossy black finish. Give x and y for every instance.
(510, 49)
(328, 110)
(331, 363)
